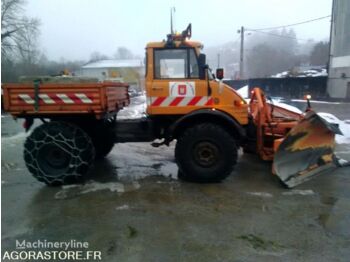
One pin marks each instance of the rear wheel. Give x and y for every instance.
(205, 153)
(58, 153)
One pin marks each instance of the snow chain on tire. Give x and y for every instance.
(58, 153)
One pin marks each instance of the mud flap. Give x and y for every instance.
(306, 151)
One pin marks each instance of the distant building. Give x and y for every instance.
(339, 64)
(130, 71)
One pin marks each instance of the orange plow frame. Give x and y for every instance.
(272, 123)
(300, 145)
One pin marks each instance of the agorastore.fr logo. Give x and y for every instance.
(44, 250)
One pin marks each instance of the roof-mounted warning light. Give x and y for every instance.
(186, 34)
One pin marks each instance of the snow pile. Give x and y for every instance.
(276, 102)
(344, 126)
(315, 72)
(305, 73)
(243, 91)
(137, 108)
(281, 75)
(316, 101)
(286, 106)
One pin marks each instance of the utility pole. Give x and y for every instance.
(241, 64)
(218, 60)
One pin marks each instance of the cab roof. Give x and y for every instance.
(189, 43)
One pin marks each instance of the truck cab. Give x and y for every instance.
(179, 82)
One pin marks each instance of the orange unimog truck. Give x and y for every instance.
(186, 102)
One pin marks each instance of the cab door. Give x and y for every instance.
(176, 87)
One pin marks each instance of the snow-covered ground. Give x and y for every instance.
(317, 101)
(344, 127)
(244, 92)
(136, 109)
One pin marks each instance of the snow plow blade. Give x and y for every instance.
(306, 151)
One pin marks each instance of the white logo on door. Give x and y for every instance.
(182, 89)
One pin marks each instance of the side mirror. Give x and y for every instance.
(202, 65)
(201, 60)
(220, 73)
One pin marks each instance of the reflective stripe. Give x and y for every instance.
(158, 101)
(46, 99)
(167, 101)
(185, 101)
(69, 98)
(180, 101)
(65, 99)
(194, 101)
(209, 102)
(202, 101)
(84, 98)
(176, 101)
(26, 98)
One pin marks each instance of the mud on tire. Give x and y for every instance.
(58, 153)
(205, 153)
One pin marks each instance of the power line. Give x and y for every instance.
(300, 23)
(283, 36)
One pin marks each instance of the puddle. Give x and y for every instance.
(260, 194)
(123, 207)
(71, 191)
(307, 192)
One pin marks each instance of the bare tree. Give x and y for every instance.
(18, 32)
(271, 52)
(123, 53)
(97, 56)
(320, 54)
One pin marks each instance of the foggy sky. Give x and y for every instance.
(73, 29)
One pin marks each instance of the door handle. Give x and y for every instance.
(157, 88)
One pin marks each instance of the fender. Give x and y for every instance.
(208, 115)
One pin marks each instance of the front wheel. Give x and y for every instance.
(58, 153)
(205, 153)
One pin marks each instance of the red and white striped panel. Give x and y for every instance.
(180, 101)
(68, 98)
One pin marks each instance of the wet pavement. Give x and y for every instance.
(133, 208)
